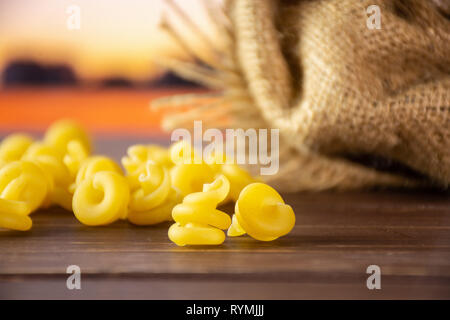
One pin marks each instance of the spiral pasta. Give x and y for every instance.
(58, 178)
(51, 162)
(156, 215)
(136, 160)
(189, 174)
(60, 133)
(91, 166)
(23, 181)
(101, 198)
(154, 201)
(261, 212)
(181, 152)
(13, 147)
(238, 177)
(154, 190)
(20, 208)
(235, 229)
(74, 145)
(198, 222)
(13, 215)
(75, 154)
(59, 170)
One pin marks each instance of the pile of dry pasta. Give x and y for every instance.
(156, 185)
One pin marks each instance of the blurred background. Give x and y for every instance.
(103, 74)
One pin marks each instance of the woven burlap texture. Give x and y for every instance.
(337, 89)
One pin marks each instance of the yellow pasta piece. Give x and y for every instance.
(154, 190)
(153, 202)
(60, 133)
(74, 145)
(101, 198)
(195, 234)
(51, 161)
(76, 153)
(235, 230)
(13, 221)
(91, 166)
(13, 147)
(58, 177)
(158, 214)
(198, 222)
(261, 212)
(23, 181)
(14, 215)
(181, 152)
(187, 176)
(14, 207)
(62, 197)
(137, 157)
(216, 161)
(238, 177)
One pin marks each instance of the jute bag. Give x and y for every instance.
(356, 107)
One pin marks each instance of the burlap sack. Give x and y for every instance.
(356, 107)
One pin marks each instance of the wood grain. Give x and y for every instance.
(326, 255)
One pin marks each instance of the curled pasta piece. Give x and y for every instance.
(189, 178)
(13, 147)
(155, 188)
(195, 234)
(91, 166)
(58, 177)
(200, 207)
(51, 162)
(158, 214)
(181, 152)
(197, 220)
(153, 202)
(261, 212)
(14, 207)
(14, 215)
(188, 175)
(76, 153)
(238, 177)
(62, 197)
(216, 160)
(60, 133)
(137, 157)
(101, 198)
(235, 230)
(23, 181)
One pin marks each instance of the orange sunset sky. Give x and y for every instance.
(117, 37)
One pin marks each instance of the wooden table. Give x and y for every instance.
(337, 236)
(407, 234)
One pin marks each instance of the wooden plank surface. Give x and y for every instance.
(336, 237)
